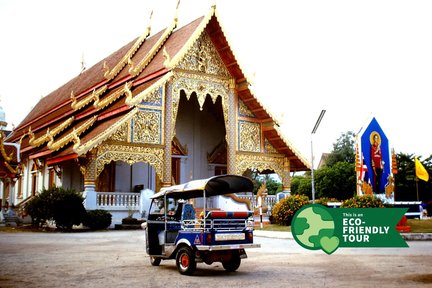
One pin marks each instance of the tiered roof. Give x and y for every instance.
(85, 111)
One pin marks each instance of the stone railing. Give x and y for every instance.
(117, 200)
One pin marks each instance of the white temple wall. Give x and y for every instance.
(128, 176)
(200, 132)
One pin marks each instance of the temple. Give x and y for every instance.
(165, 108)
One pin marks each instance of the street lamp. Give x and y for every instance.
(312, 157)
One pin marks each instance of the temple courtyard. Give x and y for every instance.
(118, 259)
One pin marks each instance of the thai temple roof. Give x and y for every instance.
(85, 111)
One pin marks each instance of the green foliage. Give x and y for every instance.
(337, 181)
(38, 211)
(302, 185)
(64, 206)
(97, 219)
(284, 210)
(405, 179)
(343, 150)
(365, 201)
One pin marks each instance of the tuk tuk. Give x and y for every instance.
(176, 230)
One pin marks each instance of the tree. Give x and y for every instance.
(337, 181)
(302, 185)
(343, 150)
(405, 179)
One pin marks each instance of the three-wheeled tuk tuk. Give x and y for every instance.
(176, 230)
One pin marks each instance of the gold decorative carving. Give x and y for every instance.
(83, 148)
(47, 136)
(244, 111)
(147, 94)
(69, 137)
(250, 136)
(203, 57)
(237, 199)
(269, 148)
(147, 127)
(259, 162)
(10, 168)
(130, 154)
(121, 135)
(87, 166)
(286, 178)
(167, 57)
(153, 99)
(75, 139)
(202, 85)
(76, 105)
(192, 39)
(99, 104)
(6, 157)
(136, 69)
(110, 74)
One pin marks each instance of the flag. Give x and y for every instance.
(420, 170)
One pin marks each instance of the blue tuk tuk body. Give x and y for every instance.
(174, 229)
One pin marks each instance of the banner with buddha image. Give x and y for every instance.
(374, 174)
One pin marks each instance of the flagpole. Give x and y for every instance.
(417, 188)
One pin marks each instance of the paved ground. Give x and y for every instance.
(118, 259)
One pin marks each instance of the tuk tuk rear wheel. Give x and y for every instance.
(155, 261)
(233, 264)
(185, 261)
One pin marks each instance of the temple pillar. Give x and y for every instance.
(168, 135)
(231, 128)
(88, 169)
(286, 178)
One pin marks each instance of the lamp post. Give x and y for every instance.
(312, 157)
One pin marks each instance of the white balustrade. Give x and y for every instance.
(117, 200)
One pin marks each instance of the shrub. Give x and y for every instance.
(37, 210)
(365, 201)
(64, 206)
(284, 210)
(97, 219)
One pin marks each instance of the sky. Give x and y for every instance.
(354, 59)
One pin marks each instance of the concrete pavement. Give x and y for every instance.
(288, 235)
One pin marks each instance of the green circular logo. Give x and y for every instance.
(313, 228)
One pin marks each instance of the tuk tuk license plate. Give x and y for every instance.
(230, 236)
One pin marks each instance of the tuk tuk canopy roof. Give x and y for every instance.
(216, 185)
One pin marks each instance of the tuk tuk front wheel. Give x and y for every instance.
(155, 261)
(185, 261)
(233, 264)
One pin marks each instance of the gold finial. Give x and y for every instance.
(95, 97)
(50, 139)
(130, 63)
(150, 22)
(106, 69)
(72, 96)
(75, 139)
(167, 58)
(30, 132)
(176, 13)
(22, 137)
(128, 93)
(83, 67)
